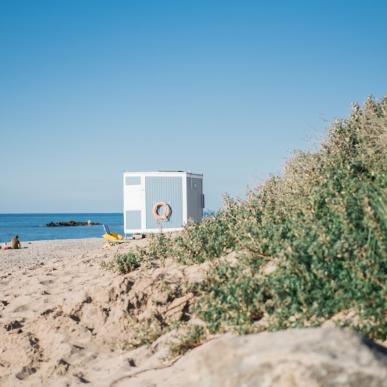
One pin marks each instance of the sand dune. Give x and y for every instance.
(65, 321)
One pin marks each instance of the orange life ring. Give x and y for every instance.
(166, 214)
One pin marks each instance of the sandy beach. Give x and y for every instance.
(43, 340)
(66, 320)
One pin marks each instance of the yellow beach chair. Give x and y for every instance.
(111, 236)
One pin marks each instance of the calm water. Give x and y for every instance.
(32, 227)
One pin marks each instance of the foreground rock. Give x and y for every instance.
(316, 357)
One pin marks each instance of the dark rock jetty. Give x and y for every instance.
(72, 223)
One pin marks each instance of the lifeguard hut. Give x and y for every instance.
(161, 201)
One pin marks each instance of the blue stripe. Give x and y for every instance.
(168, 190)
(133, 220)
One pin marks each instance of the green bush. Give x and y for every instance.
(211, 238)
(128, 262)
(157, 249)
(322, 225)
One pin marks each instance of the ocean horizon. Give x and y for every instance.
(32, 226)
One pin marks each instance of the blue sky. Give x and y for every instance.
(89, 89)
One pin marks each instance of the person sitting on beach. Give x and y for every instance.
(15, 243)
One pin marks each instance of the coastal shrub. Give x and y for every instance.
(193, 337)
(128, 262)
(230, 298)
(158, 248)
(211, 238)
(324, 224)
(311, 243)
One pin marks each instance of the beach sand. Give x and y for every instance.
(65, 320)
(44, 289)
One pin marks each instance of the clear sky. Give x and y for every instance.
(89, 89)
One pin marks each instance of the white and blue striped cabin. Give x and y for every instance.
(161, 201)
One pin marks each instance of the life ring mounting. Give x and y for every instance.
(162, 211)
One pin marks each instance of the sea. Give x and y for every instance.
(32, 227)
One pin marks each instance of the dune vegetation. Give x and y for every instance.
(303, 248)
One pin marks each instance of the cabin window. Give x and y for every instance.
(132, 180)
